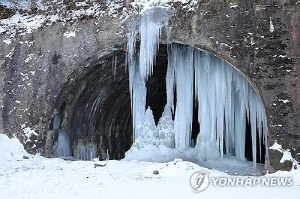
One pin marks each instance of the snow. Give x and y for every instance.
(276, 147)
(39, 177)
(7, 41)
(48, 12)
(70, 34)
(28, 132)
(11, 149)
(29, 57)
(24, 4)
(271, 26)
(284, 101)
(286, 153)
(286, 156)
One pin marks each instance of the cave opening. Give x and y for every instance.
(99, 116)
(261, 148)
(214, 108)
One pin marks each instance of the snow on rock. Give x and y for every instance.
(31, 15)
(70, 34)
(284, 101)
(28, 132)
(29, 57)
(276, 147)
(11, 149)
(286, 153)
(271, 26)
(24, 4)
(7, 41)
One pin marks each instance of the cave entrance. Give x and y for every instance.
(215, 109)
(96, 111)
(99, 121)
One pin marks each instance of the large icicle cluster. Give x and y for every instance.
(225, 98)
(181, 62)
(140, 64)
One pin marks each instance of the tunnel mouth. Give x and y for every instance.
(96, 113)
(94, 110)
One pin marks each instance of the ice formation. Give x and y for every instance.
(61, 147)
(182, 62)
(140, 65)
(226, 99)
(85, 151)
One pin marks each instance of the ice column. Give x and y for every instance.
(140, 65)
(184, 78)
(62, 145)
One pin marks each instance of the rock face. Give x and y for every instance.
(69, 68)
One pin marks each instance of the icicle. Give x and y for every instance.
(184, 77)
(62, 146)
(204, 83)
(137, 88)
(150, 30)
(151, 23)
(107, 155)
(170, 80)
(85, 151)
(227, 102)
(114, 65)
(165, 129)
(56, 122)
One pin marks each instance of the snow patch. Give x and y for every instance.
(7, 41)
(28, 132)
(70, 34)
(284, 101)
(29, 57)
(271, 25)
(11, 149)
(286, 152)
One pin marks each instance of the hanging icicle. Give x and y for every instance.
(140, 65)
(184, 78)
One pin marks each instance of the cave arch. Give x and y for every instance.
(97, 108)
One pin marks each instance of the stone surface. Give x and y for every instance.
(275, 157)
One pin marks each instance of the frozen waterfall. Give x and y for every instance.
(226, 100)
(61, 147)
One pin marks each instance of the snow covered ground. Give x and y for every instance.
(39, 177)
